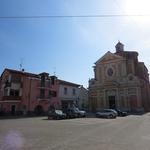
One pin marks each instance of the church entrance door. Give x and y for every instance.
(112, 102)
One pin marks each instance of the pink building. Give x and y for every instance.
(23, 92)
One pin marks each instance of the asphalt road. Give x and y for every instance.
(126, 133)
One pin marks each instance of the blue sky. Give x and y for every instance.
(69, 46)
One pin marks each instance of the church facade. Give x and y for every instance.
(120, 81)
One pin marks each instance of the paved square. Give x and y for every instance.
(126, 133)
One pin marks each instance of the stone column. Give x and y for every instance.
(117, 97)
(104, 99)
(138, 93)
(98, 99)
(125, 98)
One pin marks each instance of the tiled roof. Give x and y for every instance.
(68, 83)
(20, 72)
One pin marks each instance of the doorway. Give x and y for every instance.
(13, 109)
(39, 110)
(112, 102)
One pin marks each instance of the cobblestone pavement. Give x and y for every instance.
(126, 133)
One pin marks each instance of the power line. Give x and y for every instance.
(73, 16)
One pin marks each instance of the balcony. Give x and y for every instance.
(4, 98)
(40, 98)
(42, 86)
(7, 84)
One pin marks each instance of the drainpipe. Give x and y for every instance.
(29, 98)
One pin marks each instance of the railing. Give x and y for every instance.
(44, 98)
(44, 86)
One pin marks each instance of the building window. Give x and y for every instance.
(130, 77)
(73, 91)
(7, 84)
(49, 83)
(65, 91)
(42, 93)
(53, 80)
(5, 92)
(52, 93)
(42, 80)
(14, 92)
(16, 78)
(110, 72)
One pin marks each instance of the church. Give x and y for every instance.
(120, 81)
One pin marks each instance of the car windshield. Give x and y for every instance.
(106, 110)
(76, 109)
(58, 111)
(118, 110)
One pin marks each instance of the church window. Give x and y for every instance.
(110, 71)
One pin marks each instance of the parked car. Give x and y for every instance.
(106, 113)
(71, 113)
(56, 114)
(121, 113)
(81, 113)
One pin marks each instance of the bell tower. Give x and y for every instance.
(119, 47)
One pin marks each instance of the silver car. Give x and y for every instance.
(81, 113)
(106, 113)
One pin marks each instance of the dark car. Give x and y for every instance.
(121, 113)
(71, 113)
(106, 113)
(56, 114)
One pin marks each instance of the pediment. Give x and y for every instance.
(109, 57)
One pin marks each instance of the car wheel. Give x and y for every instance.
(49, 117)
(110, 116)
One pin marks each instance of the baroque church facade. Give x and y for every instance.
(120, 81)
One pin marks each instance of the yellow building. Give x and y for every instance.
(120, 81)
